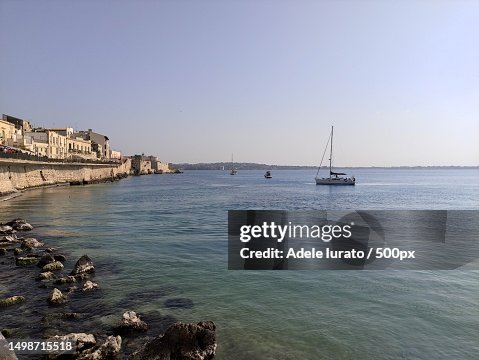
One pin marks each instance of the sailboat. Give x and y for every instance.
(233, 170)
(335, 178)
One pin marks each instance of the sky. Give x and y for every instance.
(195, 81)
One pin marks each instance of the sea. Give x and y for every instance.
(160, 247)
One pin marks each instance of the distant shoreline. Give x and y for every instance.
(255, 166)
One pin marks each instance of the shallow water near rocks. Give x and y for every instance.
(155, 238)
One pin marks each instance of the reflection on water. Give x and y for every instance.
(155, 238)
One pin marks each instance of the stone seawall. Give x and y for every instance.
(18, 175)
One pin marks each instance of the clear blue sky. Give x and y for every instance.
(194, 81)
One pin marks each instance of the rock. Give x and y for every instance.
(47, 275)
(13, 300)
(26, 260)
(82, 341)
(3, 251)
(8, 238)
(181, 341)
(56, 297)
(71, 316)
(30, 243)
(6, 354)
(66, 280)
(18, 251)
(50, 250)
(72, 289)
(45, 259)
(179, 303)
(20, 225)
(7, 333)
(107, 350)
(54, 266)
(59, 257)
(131, 322)
(6, 230)
(83, 266)
(88, 285)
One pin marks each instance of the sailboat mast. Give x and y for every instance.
(331, 152)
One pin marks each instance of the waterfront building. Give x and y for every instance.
(99, 143)
(7, 130)
(116, 155)
(19, 124)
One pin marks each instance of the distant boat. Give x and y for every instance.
(268, 175)
(233, 170)
(335, 178)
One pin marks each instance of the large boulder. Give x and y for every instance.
(131, 322)
(56, 297)
(84, 265)
(181, 342)
(108, 350)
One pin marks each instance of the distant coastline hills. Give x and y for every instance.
(256, 166)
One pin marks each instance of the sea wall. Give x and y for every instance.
(18, 175)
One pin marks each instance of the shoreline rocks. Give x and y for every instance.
(179, 341)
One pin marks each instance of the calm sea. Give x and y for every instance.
(155, 238)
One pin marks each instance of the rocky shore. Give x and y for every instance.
(65, 300)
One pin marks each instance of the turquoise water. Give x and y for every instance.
(159, 237)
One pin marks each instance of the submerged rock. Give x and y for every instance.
(54, 266)
(179, 303)
(107, 350)
(181, 341)
(83, 266)
(89, 285)
(131, 322)
(30, 243)
(56, 297)
(26, 260)
(13, 300)
(66, 280)
(3, 251)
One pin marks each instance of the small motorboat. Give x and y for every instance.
(268, 175)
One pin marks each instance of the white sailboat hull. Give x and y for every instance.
(335, 181)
